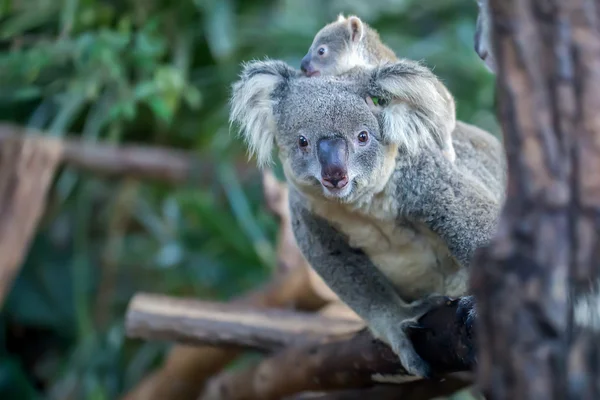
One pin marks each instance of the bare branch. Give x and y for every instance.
(26, 171)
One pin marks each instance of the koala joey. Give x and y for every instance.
(386, 220)
(347, 43)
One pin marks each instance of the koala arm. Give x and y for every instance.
(360, 284)
(450, 202)
(347, 271)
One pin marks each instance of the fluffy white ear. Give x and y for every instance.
(341, 18)
(252, 104)
(357, 29)
(419, 110)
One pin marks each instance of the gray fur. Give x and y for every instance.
(352, 43)
(400, 235)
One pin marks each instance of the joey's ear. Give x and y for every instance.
(417, 108)
(357, 29)
(252, 101)
(341, 18)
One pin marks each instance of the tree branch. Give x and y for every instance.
(318, 353)
(154, 317)
(26, 171)
(141, 162)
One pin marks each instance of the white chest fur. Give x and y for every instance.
(412, 257)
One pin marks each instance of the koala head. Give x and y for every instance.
(338, 137)
(335, 48)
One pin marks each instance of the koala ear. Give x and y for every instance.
(357, 28)
(341, 18)
(418, 110)
(252, 104)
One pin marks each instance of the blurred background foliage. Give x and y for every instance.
(158, 72)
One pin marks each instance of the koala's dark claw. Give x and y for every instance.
(466, 313)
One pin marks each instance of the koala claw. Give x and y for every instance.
(410, 360)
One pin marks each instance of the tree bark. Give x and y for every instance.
(136, 161)
(354, 362)
(26, 171)
(547, 248)
(409, 391)
(154, 317)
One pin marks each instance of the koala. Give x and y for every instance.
(347, 43)
(383, 217)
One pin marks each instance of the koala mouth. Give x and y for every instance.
(310, 74)
(339, 191)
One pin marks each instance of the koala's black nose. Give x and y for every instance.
(333, 156)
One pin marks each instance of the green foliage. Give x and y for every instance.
(158, 72)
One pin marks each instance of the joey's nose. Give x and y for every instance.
(305, 64)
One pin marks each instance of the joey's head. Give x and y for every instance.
(336, 48)
(338, 138)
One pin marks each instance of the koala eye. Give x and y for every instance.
(321, 51)
(363, 137)
(302, 142)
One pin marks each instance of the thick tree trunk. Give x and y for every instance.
(547, 248)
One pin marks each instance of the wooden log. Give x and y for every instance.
(419, 390)
(310, 362)
(154, 317)
(546, 252)
(26, 171)
(136, 161)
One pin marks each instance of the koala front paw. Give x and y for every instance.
(404, 349)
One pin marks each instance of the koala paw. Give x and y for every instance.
(466, 313)
(404, 349)
(423, 306)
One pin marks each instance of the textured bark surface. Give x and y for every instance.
(154, 317)
(26, 171)
(547, 248)
(408, 391)
(357, 361)
(141, 162)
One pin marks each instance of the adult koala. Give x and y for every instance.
(387, 221)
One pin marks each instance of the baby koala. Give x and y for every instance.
(349, 42)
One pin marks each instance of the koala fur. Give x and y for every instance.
(388, 222)
(349, 43)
